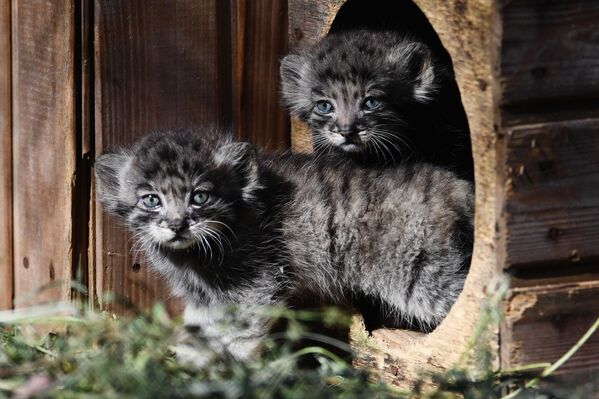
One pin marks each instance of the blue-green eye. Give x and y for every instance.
(150, 201)
(324, 107)
(371, 103)
(199, 198)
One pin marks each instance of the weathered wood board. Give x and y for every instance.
(549, 52)
(542, 323)
(552, 194)
(43, 148)
(259, 40)
(6, 275)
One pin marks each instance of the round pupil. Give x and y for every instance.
(200, 198)
(371, 103)
(151, 201)
(324, 106)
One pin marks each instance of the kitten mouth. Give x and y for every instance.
(351, 147)
(350, 143)
(180, 242)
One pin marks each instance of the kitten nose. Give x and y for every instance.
(177, 225)
(346, 130)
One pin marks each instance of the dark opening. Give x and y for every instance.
(405, 18)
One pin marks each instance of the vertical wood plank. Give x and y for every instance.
(158, 65)
(259, 40)
(6, 276)
(43, 147)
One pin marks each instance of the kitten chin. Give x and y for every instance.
(380, 98)
(272, 229)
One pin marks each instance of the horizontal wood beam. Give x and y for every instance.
(552, 194)
(542, 323)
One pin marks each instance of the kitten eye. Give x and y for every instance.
(371, 103)
(199, 198)
(150, 201)
(324, 107)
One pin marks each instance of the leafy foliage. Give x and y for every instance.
(94, 355)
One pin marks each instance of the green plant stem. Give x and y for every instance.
(549, 370)
(525, 367)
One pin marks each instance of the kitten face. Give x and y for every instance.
(351, 116)
(175, 194)
(179, 212)
(356, 90)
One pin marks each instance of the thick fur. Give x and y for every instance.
(412, 122)
(279, 228)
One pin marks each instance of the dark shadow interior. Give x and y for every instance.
(405, 18)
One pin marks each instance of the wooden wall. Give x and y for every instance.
(43, 148)
(549, 174)
(80, 76)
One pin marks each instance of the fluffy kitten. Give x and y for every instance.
(378, 98)
(228, 226)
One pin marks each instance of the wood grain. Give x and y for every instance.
(552, 194)
(259, 40)
(6, 275)
(43, 148)
(550, 52)
(544, 322)
(157, 66)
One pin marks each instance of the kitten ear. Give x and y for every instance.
(294, 87)
(415, 60)
(243, 158)
(109, 168)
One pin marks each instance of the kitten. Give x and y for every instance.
(226, 226)
(378, 98)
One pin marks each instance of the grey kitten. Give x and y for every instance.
(378, 98)
(226, 226)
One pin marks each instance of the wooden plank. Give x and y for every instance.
(6, 275)
(542, 323)
(158, 65)
(550, 52)
(552, 194)
(43, 147)
(259, 40)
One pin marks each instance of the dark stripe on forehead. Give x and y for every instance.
(166, 153)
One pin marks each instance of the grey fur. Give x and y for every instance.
(280, 228)
(407, 82)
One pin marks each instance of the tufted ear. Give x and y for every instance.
(242, 158)
(109, 168)
(414, 61)
(295, 87)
